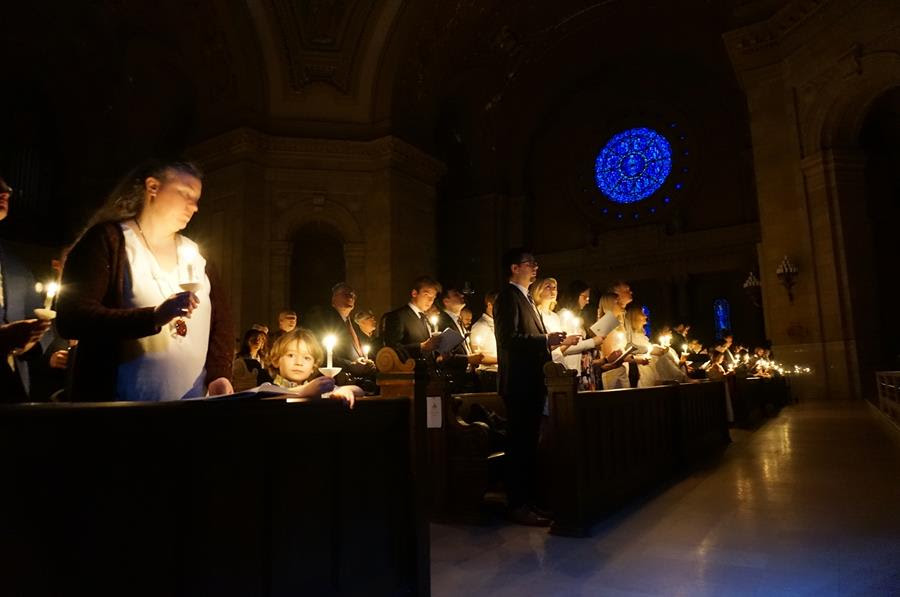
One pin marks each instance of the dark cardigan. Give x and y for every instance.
(90, 310)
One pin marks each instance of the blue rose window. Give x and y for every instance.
(633, 165)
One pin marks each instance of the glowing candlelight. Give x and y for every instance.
(434, 321)
(329, 343)
(684, 350)
(50, 290)
(366, 349)
(476, 342)
(577, 324)
(665, 340)
(188, 254)
(565, 316)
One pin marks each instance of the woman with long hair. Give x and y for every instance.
(149, 314)
(615, 375)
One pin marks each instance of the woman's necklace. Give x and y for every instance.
(179, 325)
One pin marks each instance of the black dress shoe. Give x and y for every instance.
(525, 516)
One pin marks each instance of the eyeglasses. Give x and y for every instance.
(529, 263)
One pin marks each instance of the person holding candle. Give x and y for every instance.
(20, 331)
(335, 319)
(368, 324)
(484, 342)
(656, 363)
(524, 345)
(294, 361)
(142, 338)
(407, 329)
(615, 375)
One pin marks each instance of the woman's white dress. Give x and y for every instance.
(164, 366)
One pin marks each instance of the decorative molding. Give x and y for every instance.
(320, 39)
(771, 32)
(383, 153)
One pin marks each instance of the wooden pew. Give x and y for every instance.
(211, 498)
(701, 425)
(609, 446)
(460, 462)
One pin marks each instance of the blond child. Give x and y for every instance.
(294, 362)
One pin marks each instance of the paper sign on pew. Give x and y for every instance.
(603, 326)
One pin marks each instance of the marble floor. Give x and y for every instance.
(808, 504)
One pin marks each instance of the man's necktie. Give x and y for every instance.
(425, 323)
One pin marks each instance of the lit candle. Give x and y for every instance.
(566, 317)
(684, 350)
(476, 342)
(188, 254)
(665, 340)
(366, 349)
(434, 321)
(329, 343)
(50, 290)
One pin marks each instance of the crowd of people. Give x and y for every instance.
(149, 321)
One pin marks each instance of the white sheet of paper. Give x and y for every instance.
(433, 412)
(605, 325)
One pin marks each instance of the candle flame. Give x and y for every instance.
(329, 341)
(434, 320)
(52, 289)
(187, 253)
(366, 349)
(38, 287)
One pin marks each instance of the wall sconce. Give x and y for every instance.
(787, 274)
(753, 288)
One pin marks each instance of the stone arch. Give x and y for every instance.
(844, 98)
(310, 210)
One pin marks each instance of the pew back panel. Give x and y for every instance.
(223, 498)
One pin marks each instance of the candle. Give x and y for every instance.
(188, 254)
(665, 340)
(684, 350)
(565, 316)
(50, 290)
(329, 343)
(476, 342)
(366, 349)
(434, 321)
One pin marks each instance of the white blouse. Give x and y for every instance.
(164, 366)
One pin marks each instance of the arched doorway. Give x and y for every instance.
(880, 140)
(317, 264)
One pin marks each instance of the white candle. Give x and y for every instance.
(52, 289)
(188, 254)
(434, 321)
(684, 349)
(329, 343)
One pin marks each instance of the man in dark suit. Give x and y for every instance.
(523, 346)
(335, 320)
(453, 302)
(407, 329)
(19, 332)
(462, 356)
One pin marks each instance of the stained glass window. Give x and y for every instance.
(633, 165)
(721, 316)
(646, 325)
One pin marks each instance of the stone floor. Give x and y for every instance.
(809, 504)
